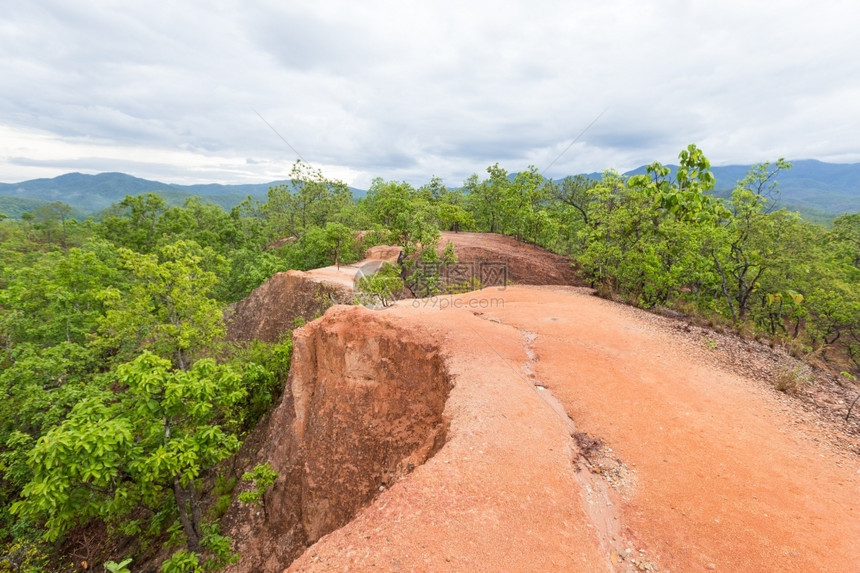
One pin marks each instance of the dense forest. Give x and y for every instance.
(121, 400)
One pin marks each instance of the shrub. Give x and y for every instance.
(793, 380)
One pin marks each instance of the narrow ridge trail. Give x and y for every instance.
(726, 478)
(584, 436)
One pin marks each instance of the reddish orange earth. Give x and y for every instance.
(586, 436)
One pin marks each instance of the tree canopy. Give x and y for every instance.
(120, 398)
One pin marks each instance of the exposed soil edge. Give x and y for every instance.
(362, 408)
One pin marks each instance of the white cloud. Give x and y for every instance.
(409, 90)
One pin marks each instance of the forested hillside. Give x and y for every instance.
(121, 401)
(819, 191)
(89, 194)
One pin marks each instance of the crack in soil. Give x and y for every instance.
(597, 472)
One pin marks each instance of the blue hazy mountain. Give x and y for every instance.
(809, 186)
(89, 194)
(815, 188)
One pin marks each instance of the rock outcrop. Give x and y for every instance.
(363, 407)
(368, 405)
(273, 307)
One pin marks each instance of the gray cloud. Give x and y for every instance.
(408, 91)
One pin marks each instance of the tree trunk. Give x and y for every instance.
(189, 513)
(723, 286)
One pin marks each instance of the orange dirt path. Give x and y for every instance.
(717, 472)
(726, 479)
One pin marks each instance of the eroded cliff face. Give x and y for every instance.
(272, 308)
(363, 406)
(368, 405)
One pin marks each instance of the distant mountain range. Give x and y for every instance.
(810, 186)
(89, 194)
(818, 190)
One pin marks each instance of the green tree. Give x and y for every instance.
(261, 477)
(27, 222)
(448, 205)
(77, 467)
(574, 192)
(382, 287)
(58, 297)
(134, 222)
(309, 200)
(119, 451)
(645, 236)
(200, 221)
(845, 238)
(53, 219)
(410, 217)
(168, 308)
(748, 240)
(340, 244)
(186, 421)
(486, 199)
(453, 216)
(333, 244)
(389, 203)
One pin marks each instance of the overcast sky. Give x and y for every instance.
(408, 90)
